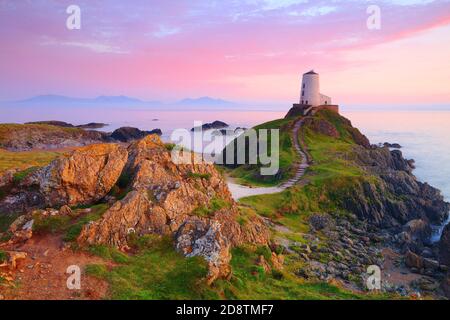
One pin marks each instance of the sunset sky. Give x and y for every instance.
(240, 50)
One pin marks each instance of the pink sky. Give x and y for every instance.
(247, 50)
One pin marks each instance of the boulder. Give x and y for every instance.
(190, 202)
(83, 177)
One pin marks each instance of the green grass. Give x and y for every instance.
(26, 159)
(6, 220)
(73, 231)
(249, 174)
(215, 205)
(157, 271)
(69, 226)
(194, 175)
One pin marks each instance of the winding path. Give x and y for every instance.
(239, 191)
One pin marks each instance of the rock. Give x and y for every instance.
(43, 136)
(320, 221)
(444, 247)
(412, 260)
(65, 211)
(418, 230)
(83, 177)
(129, 134)
(53, 123)
(322, 126)
(162, 200)
(92, 125)
(15, 256)
(7, 177)
(211, 245)
(263, 263)
(214, 125)
(277, 261)
(392, 145)
(445, 285)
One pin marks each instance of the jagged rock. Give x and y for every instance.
(83, 177)
(162, 200)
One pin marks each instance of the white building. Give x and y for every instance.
(310, 91)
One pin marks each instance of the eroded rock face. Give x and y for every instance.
(444, 247)
(190, 202)
(398, 197)
(83, 177)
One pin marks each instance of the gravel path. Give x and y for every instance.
(239, 191)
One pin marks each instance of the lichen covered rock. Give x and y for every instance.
(83, 177)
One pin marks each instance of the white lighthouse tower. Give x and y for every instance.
(311, 100)
(310, 91)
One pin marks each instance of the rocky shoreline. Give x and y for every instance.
(51, 135)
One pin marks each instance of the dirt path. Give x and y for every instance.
(42, 275)
(239, 191)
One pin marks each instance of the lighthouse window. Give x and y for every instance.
(303, 93)
(304, 86)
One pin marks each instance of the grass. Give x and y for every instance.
(73, 231)
(26, 159)
(249, 174)
(195, 175)
(157, 271)
(215, 205)
(69, 226)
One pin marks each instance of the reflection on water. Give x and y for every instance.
(424, 135)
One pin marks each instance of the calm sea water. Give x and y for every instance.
(424, 135)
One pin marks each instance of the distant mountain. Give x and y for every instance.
(104, 100)
(61, 101)
(205, 101)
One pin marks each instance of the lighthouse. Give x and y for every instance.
(310, 91)
(311, 100)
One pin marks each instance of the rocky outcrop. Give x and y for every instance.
(190, 202)
(213, 125)
(17, 137)
(322, 126)
(83, 177)
(58, 134)
(129, 134)
(395, 197)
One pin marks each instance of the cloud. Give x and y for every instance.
(280, 4)
(314, 11)
(93, 46)
(165, 31)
